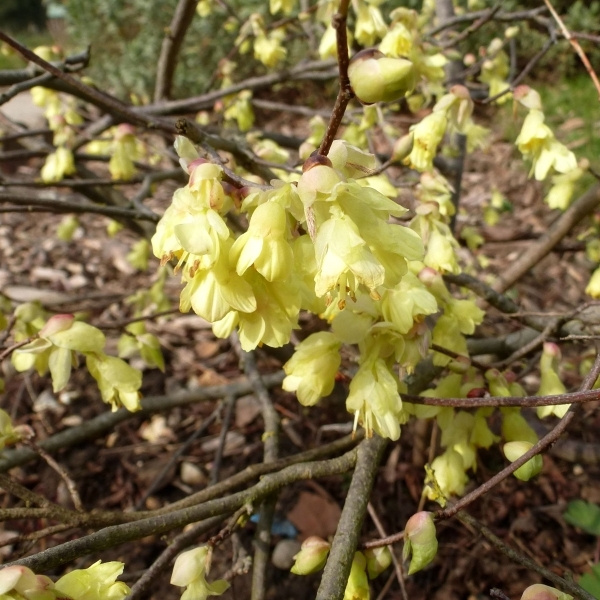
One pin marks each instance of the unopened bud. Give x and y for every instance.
(539, 591)
(123, 130)
(378, 560)
(420, 541)
(511, 32)
(57, 323)
(312, 556)
(195, 163)
(403, 147)
(377, 78)
(514, 450)
(527, 97)
(552, 349)
(460, 364)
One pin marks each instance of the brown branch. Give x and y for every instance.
(6, 353)
(119, 534)
(16, 489)
(480, 22)
(309, 70)
(529, 346)
(266, 513)
(171, 45)
(397, 564)
(345, 541)
(87, 92)
(108, 420)
(576, 46)
(452, 354)
(502, 17)
(565, 585)
(77, 207)
(582, 207)
(62, 472)
(229, 406)
(345, 93)
(580, 397)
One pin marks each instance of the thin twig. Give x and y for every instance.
(175, 456)
(16, 346)
(216, 466)
(576, 46)
(87, 92)
(564, 584)
(452, 354)
(266, 513)
(463, 35)
(582, 207)
(108, 420)
(530, 346)
(345, 93)
(397, 564)
(78, 207)
(167, 61)
(71, 487)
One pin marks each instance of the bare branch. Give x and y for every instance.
(119, 534)
(582, 207)
(345, 541)
(566, 585)
(167, 61)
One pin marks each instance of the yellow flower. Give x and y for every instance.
(537, 143)
(312, 369)
(427, 135)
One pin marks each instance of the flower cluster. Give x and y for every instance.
(97, 582)
(55, 347)
(190, 571)
(324, 245)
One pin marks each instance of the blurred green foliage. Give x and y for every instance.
(126, 37)
(560, 60)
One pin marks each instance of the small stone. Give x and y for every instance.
(191, 474)
(284, 552)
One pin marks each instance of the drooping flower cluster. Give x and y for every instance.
(97, 582)
(55, 347)
(190, 571)
(325, 245)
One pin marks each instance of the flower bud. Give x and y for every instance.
(527, 97)
(378, 560)
(312, 556)
(403, 147)
(460, 364)
(357, 587)
(511, 32)
(420, 541)
(377, 78)
(539, 591)
(57, 323)
(514, 450)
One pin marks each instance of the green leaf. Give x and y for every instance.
(584, 515)
(590, 582)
